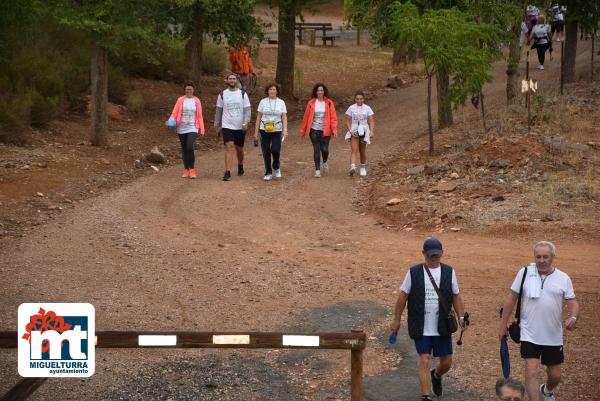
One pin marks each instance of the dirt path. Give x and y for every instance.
(164, 253)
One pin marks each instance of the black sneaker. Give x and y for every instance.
(426, 398)
(436, 384)
(227, 176)
(240, 170)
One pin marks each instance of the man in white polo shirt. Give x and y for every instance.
(544, 290)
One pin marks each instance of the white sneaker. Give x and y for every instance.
(545, 396)
(268, 177)
(363, 171)
(325, 168)
(352, 170)
(541, 67)
(317, 173)
(278, 173)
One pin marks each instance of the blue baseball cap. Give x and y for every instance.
(432, 247)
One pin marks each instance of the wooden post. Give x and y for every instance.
(22, 390)
(356, 373)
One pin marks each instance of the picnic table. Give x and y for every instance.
(324, 27)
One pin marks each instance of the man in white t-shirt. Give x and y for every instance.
(545, 288)
(232, 116)
(426, 314)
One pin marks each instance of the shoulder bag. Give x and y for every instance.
(451, 322)
(514, 330)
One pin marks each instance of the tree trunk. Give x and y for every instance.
(399, 56)
(193, 47)
(286, 49)
(442, 80)
(512, 65)
(99, 80)
(570, 50)
(429, 117)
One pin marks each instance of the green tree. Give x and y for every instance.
(507, 14)
(229, 20)
(581, 14)
(452, 41)
(357, 14)
(109, 25)
(286, 42)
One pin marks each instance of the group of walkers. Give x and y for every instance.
(232, 119)
(537, 33)
(430, 289)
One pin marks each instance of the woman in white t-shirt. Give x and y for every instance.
(271, 122)
(187, 118)
(361, 130)
(542, 39)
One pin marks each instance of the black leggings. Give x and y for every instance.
(187, 149)
(271, 146)
(541, 51)
(320, 147)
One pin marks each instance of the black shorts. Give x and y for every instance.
(551, 354)
(237, 136)
(557, 26)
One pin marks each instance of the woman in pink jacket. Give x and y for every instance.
(187, 117)
(320, 123)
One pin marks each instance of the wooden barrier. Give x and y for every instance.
(354, 341)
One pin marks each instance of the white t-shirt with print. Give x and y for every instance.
(233, 108)
(541, 31)
(271, 110)
(432, 306)
(188, 117)
(541, 318)
(359, 115)
(318, 121)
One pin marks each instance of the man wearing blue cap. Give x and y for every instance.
(427, 316)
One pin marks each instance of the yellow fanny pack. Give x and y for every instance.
(270, 127)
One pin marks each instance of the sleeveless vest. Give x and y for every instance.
(416, 300)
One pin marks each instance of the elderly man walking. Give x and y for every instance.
(431, 289)
(510, 390)
(543, 289)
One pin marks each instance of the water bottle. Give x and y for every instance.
(393, 337)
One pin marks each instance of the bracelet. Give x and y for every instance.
(572, 317)
(462, 318)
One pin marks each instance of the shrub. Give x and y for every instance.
(214, 58)
(541, 112)
(11, 130)
(135, 101)
(118, 85)
(164, 60)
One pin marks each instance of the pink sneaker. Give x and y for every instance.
(193, 173)
(186, 173)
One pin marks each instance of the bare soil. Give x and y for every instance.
(152, 251)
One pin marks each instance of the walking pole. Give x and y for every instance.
(562, 64)
(528, 95)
